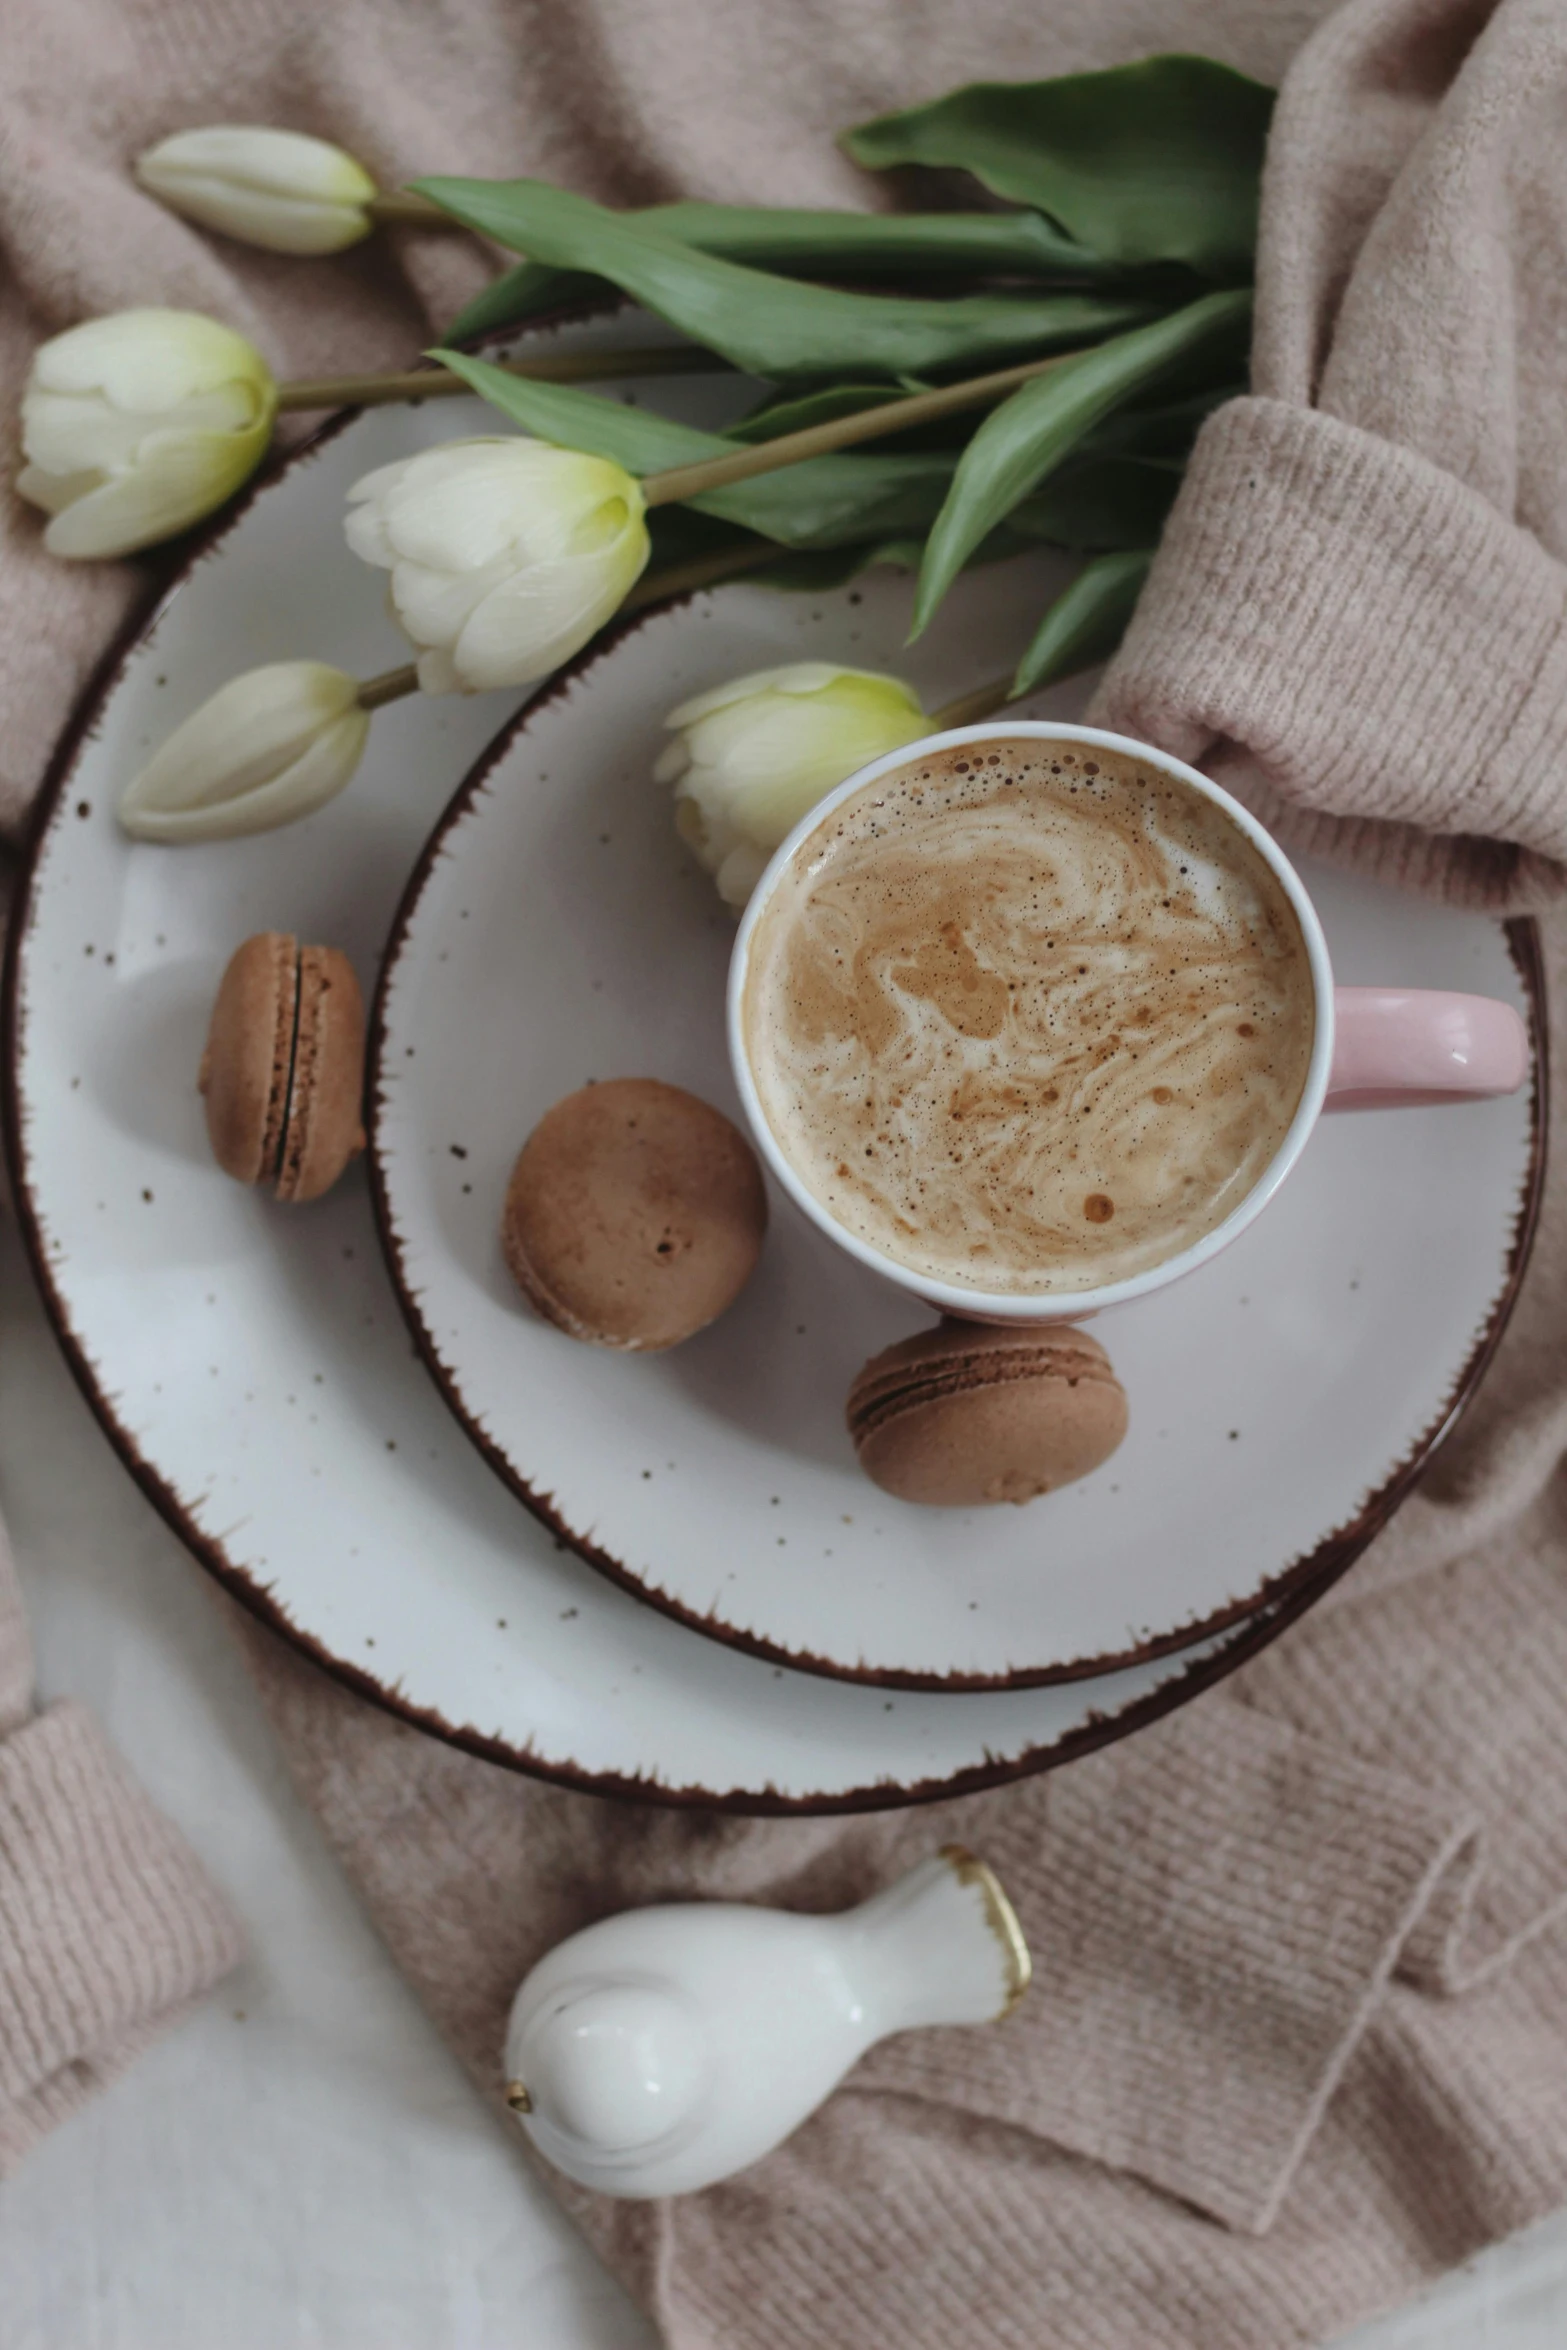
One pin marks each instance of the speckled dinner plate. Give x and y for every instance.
(1282, 1397)
(251, 1365)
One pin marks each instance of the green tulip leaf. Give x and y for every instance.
(1100, 505)
(824, 502)
(831, 501)
(1086, 623)
(1160, 432)
(1040, 425)
(1159, 161)
(637, 438)
(875, 246)
(528, 291)
(680, 535)
(798, 412)
(878, 244)
(768, 325)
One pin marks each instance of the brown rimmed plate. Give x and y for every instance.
(251, 1367)
(1283, 1398)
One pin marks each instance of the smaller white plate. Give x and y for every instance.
(1282, 1398)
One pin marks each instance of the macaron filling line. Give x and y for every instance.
(272, 1173)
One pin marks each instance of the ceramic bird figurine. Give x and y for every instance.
(661, 2050)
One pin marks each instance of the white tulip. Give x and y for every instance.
(135, 426)
(752, 757)
(266, 749)
(505, 554)
(278, 189)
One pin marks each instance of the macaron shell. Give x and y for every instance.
(245, 1068)
(325, 1124)
(964, 1416)
(634, 1215)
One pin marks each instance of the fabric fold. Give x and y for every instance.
(1455, 1711)
(108, 1925)
(1298, 541)
(1213, 1912)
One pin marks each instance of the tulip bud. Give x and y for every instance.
(266, 749)
(278, 189)
(505, 554)
(752, 757)
(137, 425)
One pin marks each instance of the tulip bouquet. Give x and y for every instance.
(1038, 369)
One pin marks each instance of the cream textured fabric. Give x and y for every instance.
(1358, 619)
(108, 1928)
(1299, 2032)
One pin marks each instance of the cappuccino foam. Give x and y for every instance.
(1029, 1017)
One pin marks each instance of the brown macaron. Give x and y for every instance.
(967, 1414)
(283, 1072)
(634, 1215)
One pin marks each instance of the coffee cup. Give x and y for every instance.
(1161, 1042)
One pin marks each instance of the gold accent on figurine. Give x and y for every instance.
(517, 2097)
(1001, 1918)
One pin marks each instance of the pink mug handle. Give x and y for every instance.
(1402, 1047)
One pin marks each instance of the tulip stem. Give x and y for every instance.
(970, 708)
(843, 432)
(404, 208)
(438, 383)
(390, 686)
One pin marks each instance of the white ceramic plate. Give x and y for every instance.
(250, 1363)
(557, 932)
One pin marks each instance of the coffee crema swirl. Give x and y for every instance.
(1029, 1017)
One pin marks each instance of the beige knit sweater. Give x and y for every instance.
(107, 1926)
(1299, 2033)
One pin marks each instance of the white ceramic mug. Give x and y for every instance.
(1373, 1048)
